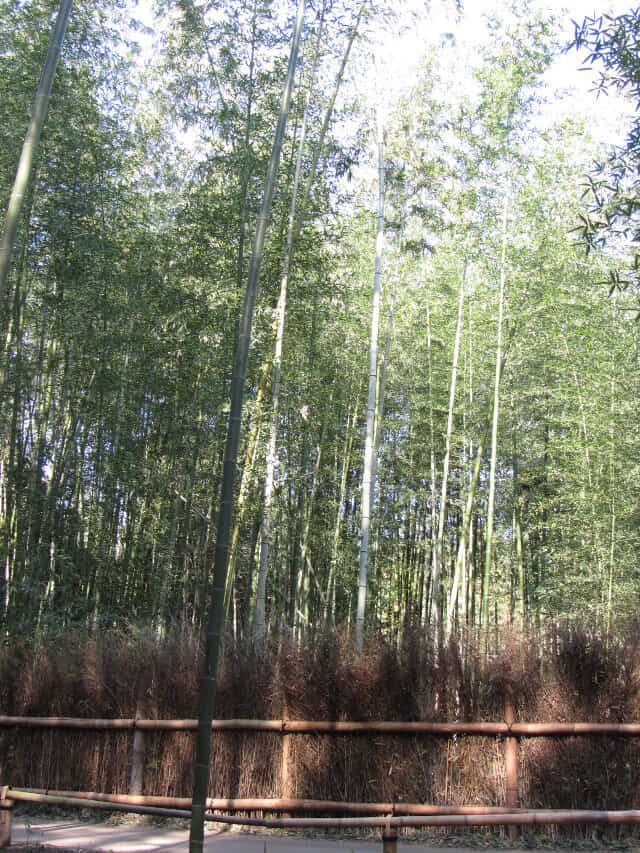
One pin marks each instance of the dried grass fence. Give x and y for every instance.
(576, 772)
(388, 816)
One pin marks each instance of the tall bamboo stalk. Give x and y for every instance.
(216, 612)
(438, 552)
(517, 531)
(369, 458)
(269, 483)
(30, 145)
(464, 535)
(612, 487)
(494, 435)
(432, 470)
(330, 600)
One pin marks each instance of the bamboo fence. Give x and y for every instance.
(386, 816)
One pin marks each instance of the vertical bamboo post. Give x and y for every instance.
(136, 780)
(511, 762)
(389, 839)
(6, 811)
(286, 781)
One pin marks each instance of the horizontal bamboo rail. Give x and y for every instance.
(339, 727)
(521, 817)
(273, 804)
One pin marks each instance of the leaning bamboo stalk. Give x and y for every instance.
(30, 146)
(216, 614)
(319, 148)
(488, 818)
(341, 727)
(259, 625)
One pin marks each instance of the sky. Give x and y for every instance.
(569, 85)
(422, 23)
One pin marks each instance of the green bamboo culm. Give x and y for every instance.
(30, 145)
(369, 466)
(215, 617)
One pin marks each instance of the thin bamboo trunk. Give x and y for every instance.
(216, 613)
(494, 436)
(612, 487)
(438, 553)
(251, 455)
(599, 548)
(464, 536)
(163, 586)
(244, 184)
(428, 576)
(13, 412)
(248, 468)
(306, 568)
(369, 458)
(267, 511)
(330, 600)
(30, 146)
(517, 531)
(384, 363)
(295, 580)
(466, 557)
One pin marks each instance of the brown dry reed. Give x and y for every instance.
(566, 675)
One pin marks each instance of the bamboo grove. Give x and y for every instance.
(497, 397)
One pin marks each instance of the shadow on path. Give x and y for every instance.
(149, 838)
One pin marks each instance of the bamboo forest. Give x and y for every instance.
(311, 341)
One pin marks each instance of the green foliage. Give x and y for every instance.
(119, 332)
(613, 189)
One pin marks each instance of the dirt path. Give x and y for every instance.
(143, 838)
